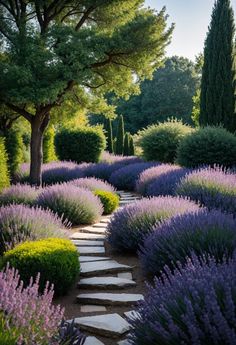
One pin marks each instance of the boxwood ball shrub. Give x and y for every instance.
(77, 205)
(80, 145)
(130, 225)
(19, 194)
(110, 201)
(127, 176)
(4, 180)
(212, 187)
(93, 184)
(55, 259)
(160, 142)
(209, 145)
(203, 232)
(196, 305)
(19, 223)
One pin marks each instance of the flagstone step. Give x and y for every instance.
(125, 275)
(123, 342)
(91, 250)
(86, 236)
(99, 225)
(121, 299)
(105, 220)
(89, 243)
(102, 267)
(92, 341)
(108, 325)
(93, 230)
(106, 283)
(84, 258)
(92, 308)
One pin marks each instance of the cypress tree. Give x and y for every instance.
(109, 136)
(131, 146)
(120, 136)
(126, 144)
(217, 100)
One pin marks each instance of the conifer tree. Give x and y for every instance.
(131, 146)
(120, 136)
(126, 144)
(109, 136)
(217, 103)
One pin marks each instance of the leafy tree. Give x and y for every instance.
(56, 51)
(196, 108)
(126, 144)
(168, 94)
(217, 103)
(120, 136)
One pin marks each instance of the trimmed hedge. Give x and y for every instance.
(55, 259)
(4, 175)
(80, 145)
(15, 150)
(49, 153)
(109, 200)
(208, 146)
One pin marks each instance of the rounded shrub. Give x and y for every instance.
(80, 145)
(77, 205)
(93, 183)
(127, 176)
(55, 259)
(15, 150)
(19, 194)
(160, 142)
(4, 174)
(209, 145)
(49, 153)
(109, 200)
(196, 305)
(203, 232)
(212, 187)
(130, 225)
(19, 223)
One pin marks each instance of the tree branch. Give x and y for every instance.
(28, 116)
(84, 17)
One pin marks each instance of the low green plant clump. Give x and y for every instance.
(110, 201)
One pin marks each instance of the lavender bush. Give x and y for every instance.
(19, 194)
(202, 232)
(195, 305)
(212, 187)
(92, 184)
(19, 223)
(130, 225)
(34, 315)
(69, 334)
(126, 177)
(78, 205)
(110, 158)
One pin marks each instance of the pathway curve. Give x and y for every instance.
(107, 284)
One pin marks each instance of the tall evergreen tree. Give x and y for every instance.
(131, 146)
(120, 136)
(109, 135)
(217, 103)
(126, 144)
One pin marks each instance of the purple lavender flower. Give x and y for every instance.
(212, 187)
(19, 223)
(78, 205)
(19, 194)
(130, 225)
(92, 184)
(126, 177)
(195, 305)
(202, 232)
(110, 158)
(102, 171)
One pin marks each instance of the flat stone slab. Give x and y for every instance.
(99, 225)
(92, 308)
(91, 250)
(126, 202)
(121, 299)
(86, 236)
(123, 342)
(88, 243)
(109, 325)
(105, 220)
(106, 283)
(101, 267)
(125, 275)
(92, 341)
(84, 258)
(94, 230)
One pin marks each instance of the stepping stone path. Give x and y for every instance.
(100, 272)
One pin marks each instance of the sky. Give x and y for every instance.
(191, 18)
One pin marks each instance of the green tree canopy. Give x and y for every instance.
(55, 50)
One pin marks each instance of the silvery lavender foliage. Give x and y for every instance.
(19, 194)
(195, 305)
(102, 171)
(34, 315)
(130, 225)
(162, 172)
(78, 205)
(212, 187)
(92, 183)
(202, 232)
(69, 334)
(107, 157)
(19, 223)
(126, 177)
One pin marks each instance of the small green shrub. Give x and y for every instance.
(49, 153)
(15, 150)
(56, 260)
(4, 175)
(80, 145)
(110, 201)
(209, 145)
(160, 142)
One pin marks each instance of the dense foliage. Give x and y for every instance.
(160, 142)
(15, 149)
(120, 136)
(19, 194)
(49, 153)
(109, 200)
(4, 180)
(92, 183)
(209, 145)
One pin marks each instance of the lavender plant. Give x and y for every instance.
(202, 232)
(69, 334)
(92, 184)
(78, 205)
(130, 225)
(212, 187)
(102, 171)
(19, 194)
(19, 223)
(195, 305)
(110, 158)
